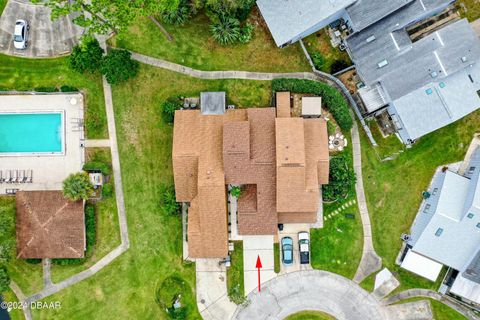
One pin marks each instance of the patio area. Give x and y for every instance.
(44, 170)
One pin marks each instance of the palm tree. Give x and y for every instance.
(77, 186)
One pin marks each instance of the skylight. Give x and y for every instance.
(439, 231)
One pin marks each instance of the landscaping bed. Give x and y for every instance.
(235, 281)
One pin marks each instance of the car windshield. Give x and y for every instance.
(18, 38)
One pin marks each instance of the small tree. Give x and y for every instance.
(4, 279)
(168, 201)
(118, 66)
(168, 110)
(342, 179)
(77, 186)
(236, 191)
(177, 16)
(86, 56)
(226, 30)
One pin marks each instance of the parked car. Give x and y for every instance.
(287, 251)
(20, 35)
(304, 247)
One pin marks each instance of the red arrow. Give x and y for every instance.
(258, 265)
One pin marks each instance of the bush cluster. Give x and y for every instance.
(342, 179)
(331, 97)
(178, 16)
(117, 66)
(168, 109)
(95, 165)
(168, 201)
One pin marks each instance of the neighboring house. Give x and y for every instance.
(417, 60)
(49, 226)
(446, 231)
(241, 147)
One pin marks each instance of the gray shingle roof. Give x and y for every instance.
(287, 19)
(457, 245)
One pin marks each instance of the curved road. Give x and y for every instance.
(311, 290)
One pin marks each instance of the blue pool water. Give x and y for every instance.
(31, 132)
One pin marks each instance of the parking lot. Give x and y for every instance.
(292, 230)
(46, 38)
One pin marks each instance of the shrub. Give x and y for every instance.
(168, 201)
(339, 65)
(318, 60)
(226, 30)
(342, 179)
(86, 56)
(98, 166)
(246, 33)
(4, 279)
(178, 16)
(107, 190)
(77, 186)
(235, 192)
(331, 97)
(46, 89)
(90, 235)
(171, 289)
(168, 110)
(33, 261)
(68, 89)
(118, 66)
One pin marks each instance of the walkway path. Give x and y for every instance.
(125, 242)
(370, 262)
(415, 293)
(47, 278)
(323, 291)
(21, 297)
(104, 143)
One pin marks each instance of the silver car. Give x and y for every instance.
(20, 36)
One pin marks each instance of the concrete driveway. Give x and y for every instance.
(46, 38)
(254, 246)
(292, 230)
(323, 291)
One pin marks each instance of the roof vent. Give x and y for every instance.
(464, 59)
(382, 63)
(371, 38)
(434, 74)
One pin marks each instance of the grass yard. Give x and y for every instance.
(320, 42)
(3, 3)
(276, 257)
(310, 315)
(28, 276)
(15, 314)
(107, 230)
(393, 188)
(26, 74)
(337, 247)
(194, 47)
(469, 9)
(235, 281)
(127, 288)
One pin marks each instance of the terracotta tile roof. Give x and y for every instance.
(246, 147)
(200, 180)
(49, 226)
(283, 104)
(253, 165)
(302, 159)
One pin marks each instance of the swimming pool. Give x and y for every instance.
(35, 133)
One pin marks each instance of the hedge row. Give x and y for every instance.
(98, 165)
(91, 237)
(331, 97)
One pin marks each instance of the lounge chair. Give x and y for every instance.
(14, 176)
(2, 179)
(20, 176)
(29, 176)
(9, 176)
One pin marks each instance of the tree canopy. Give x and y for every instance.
(104, 16)
(77, 186)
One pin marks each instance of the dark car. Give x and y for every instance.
(304, 247)
(287, 251)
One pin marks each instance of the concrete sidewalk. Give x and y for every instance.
(254, 246)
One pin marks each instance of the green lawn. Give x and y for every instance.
(3, 3)
(337, 247)
(15, 314)
(194, 47)
(235, 282)
(310, 315)
(472, 11)
(107, 230)
(26, 74)
(127, 288)
(393, 188)
(320, 42)
(276, 257)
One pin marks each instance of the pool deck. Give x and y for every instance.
(48, 170)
